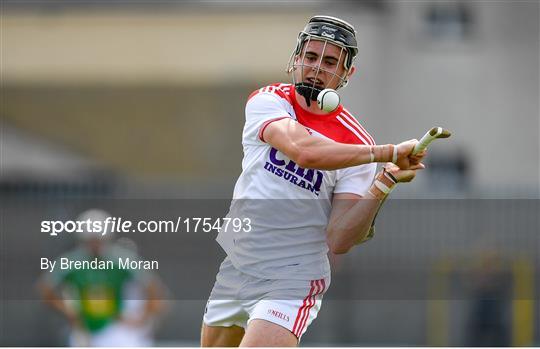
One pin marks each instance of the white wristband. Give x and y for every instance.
(394, 155)
(382, 187)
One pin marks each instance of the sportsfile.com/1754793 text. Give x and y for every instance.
(120, 225)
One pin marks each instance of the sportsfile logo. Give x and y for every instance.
(115, 225)
(307, 179)
(110, 224)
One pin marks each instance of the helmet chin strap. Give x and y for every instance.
(309, 93)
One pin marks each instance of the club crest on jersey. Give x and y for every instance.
(308, 179)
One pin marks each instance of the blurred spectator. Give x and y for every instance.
(489, 323)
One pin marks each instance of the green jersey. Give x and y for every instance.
(95, 284)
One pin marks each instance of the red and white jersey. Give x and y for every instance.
(288, 206)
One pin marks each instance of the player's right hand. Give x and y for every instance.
(405, 159)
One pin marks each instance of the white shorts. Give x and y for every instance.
(238, 298)
(114, 335)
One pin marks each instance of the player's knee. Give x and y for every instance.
(218, 336)
(262, 333)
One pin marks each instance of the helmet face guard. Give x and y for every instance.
(328, 30)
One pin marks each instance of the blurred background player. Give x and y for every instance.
(491, 295)
(321, 164)
(109, 307)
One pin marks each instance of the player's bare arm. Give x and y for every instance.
(293, 140)
(52, 297)
(350, 220)
(352, 215)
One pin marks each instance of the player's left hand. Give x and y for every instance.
(402, 176)
(405, 159)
